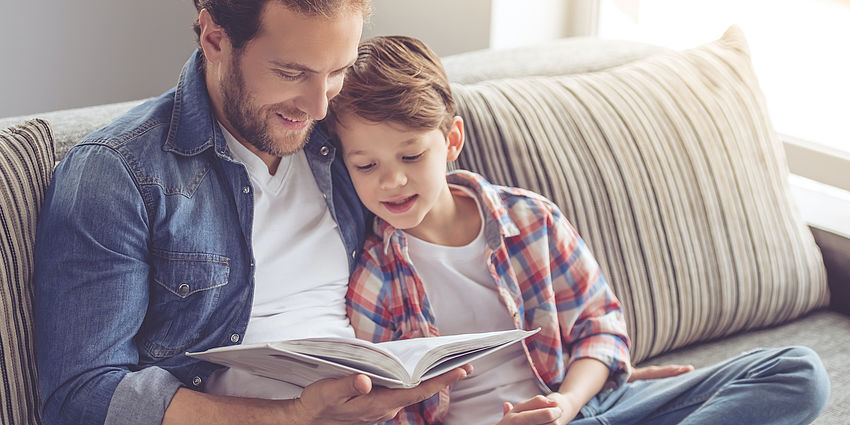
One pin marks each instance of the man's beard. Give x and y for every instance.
(252, 122)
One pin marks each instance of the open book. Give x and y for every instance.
(394, 364)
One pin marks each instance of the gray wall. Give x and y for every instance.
(446, 26)
(59, 54)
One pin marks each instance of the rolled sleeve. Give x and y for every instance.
(142, 397)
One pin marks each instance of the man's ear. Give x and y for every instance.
(455, 139)
(213, 39)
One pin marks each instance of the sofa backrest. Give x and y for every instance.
(670, 169)
(26, 166)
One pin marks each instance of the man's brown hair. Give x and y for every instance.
(396, 79)
(241, 18)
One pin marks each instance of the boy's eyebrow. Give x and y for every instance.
(304, 68)
(407, 142)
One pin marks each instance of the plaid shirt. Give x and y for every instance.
(543, 271)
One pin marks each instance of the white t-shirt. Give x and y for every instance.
(301, 274)
(465, 299)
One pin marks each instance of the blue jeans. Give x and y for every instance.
(767, 386)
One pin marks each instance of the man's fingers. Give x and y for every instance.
(341, 390)
(435, 384)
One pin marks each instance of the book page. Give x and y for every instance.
(418, 355)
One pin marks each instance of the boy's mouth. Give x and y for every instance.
(400, 205)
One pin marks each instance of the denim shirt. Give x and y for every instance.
(143, 252)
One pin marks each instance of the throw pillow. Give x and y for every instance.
(670, 169)
(26, 167)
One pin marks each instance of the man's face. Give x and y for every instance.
(279, 83)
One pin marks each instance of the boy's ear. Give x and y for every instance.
(213, 39)
(455, 139)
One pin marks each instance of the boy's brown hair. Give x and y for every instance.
(396, 79)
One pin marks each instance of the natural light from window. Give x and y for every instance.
(800, 51)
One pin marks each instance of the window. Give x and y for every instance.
(800, 51)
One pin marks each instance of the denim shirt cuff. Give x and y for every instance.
(142, 397)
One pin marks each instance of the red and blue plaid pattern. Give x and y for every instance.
(543, 271)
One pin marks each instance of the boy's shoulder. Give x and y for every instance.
(496, 197)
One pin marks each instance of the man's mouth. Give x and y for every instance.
(400, 205)
(293, 123)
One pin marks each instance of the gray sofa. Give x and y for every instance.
(702, 274)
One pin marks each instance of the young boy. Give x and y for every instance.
(455, 254)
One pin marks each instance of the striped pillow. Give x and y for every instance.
(26, 166)
(670, 169)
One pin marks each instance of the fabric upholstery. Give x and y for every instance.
(26, 166)
(669, 168)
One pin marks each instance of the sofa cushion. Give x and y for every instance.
(26, 166)
(670, 169)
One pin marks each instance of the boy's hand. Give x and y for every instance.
(554, 409)
(353, 400)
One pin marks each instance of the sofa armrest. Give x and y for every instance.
(835, 249)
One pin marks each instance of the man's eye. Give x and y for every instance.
(413, 157)
(287, 75)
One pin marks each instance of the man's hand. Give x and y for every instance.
(353, 400)
(659, 372)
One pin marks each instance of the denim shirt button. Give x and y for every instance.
(246, 189)
(354, 253)
(324, 151)
(183, 289)
(196, 381)
(234, 338)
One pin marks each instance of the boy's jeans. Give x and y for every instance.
(767, 386)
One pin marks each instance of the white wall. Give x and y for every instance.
(59, 54)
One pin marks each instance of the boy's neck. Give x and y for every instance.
(456, 224)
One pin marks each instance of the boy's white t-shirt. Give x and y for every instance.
(464, 298)
(301, 274)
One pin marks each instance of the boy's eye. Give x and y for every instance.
(413, 157)
(366, 167)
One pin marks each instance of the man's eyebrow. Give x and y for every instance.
(292, 65)
(304, 68)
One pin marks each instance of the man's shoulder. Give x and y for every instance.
(146, 122)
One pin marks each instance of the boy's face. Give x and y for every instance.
(400, 174)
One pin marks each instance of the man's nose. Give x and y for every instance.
(314, 98)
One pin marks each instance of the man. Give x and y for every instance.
(213, 215)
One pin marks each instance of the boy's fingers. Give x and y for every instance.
(506, 407)
(535, 403)
(659, 372)
(537, 416)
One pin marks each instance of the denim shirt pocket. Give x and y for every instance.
(185, 292)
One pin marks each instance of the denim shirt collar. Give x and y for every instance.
(193, 127)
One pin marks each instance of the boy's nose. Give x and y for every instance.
(391, 179)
